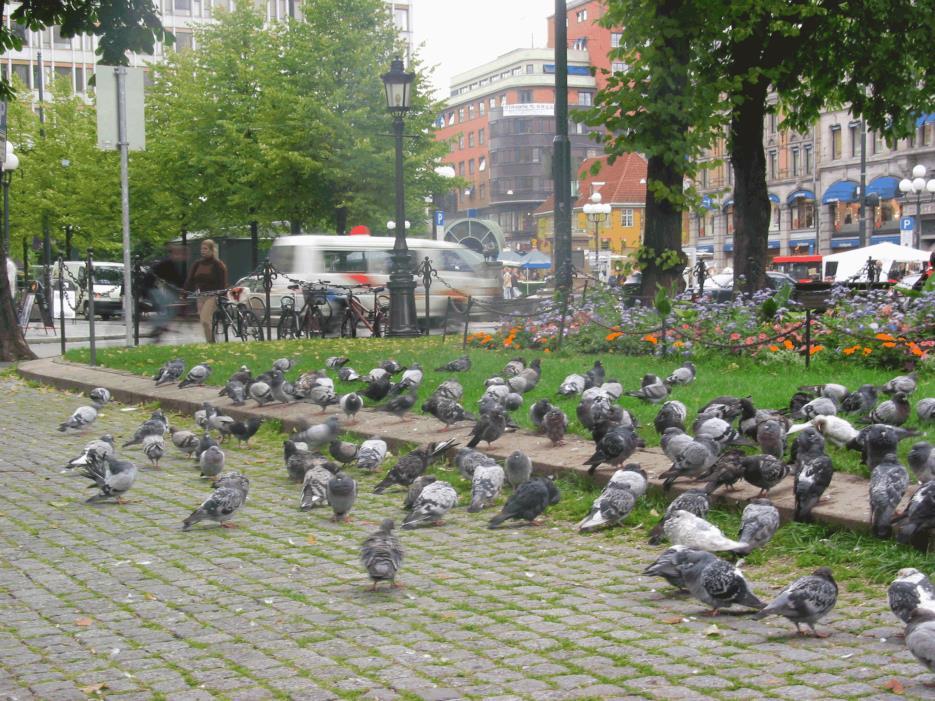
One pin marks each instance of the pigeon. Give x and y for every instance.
(315, 486)
(318, 435)
(371, 453)
(613, 389)
(674, 441)
(514, 367)
(82, 417)
(336, 361)
(717, 429)
(321, 395)
(283, 393)
(111, 476)
(212, 462)
(716, 582)
(619, 443)
(694, 501)
(758, 524)
(415, 489)
(806, 600)
(216, 421)
(170, 372)
(434, 501)
(382, 554)
(919, 514)
(830, 390)
(726, 471)
(205, 442)
(724, 406)
(243, 376)
(596, 375)
(653, 390)
(696, 457)
(391, 366)
(925, 410)
(341, 492)
(634, 476)
(400, 405)
(343, 451)
(302, 386)
(100, 395)
(348, 374)
(878, 440)
(894, 411)
(671, 415)
(411, 380)
(822, 406)
(668, 565)
(611, 506)
(377, 388)
(771, 437)
(528, 502)
(684, 528)
(921, 461)
(485, 486)
(283, 364)
(764, 471)
(350, 404)
(920, 637)
(812, 478)
(243, 431)
(555, 423)
(413, 464)
(888, 483)
(222, 503)
(571, 385)
(98, 449)
(462, 364)
(235, 391)
(185, 441)
(861, 401)
(448, 411)
(196, 376)
(537, 414)
(299, 461)
(834, 429)
(684, 375)
(154, 447)
(910, 590)
(155, 425)
(489, 427)
(449, 389)
(903, 383)
(808, 443)
(467, 460)
(517, 468)
(261, 393)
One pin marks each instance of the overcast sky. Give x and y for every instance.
(458, 36)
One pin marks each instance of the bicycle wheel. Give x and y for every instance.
(250, 326)
(349, 325)
(287, 326)
(218, 325)
(378, 322)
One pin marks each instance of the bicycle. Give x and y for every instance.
(356, 314)
(310, 320)
(237, 316)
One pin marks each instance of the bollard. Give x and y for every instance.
(61, 300)
(808, 337)
(467, 322)
(427, 272)
(88, 281)
(269, 274)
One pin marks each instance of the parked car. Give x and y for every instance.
(720, 288)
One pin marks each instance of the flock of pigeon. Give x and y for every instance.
(729, 440)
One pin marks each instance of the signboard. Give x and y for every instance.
(530, 109)
(28, 301)
(439, 217)
(907, 227)
(106, 89)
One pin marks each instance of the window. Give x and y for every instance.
(835, 142)
(794, 158)
(451, 118)
(581, 16)
(344, 261)
(183, 41)
(64, 72)
(461, 169)
(460, 141)
(605, 244)
(774, 217)
(481, 167)
(704, 177)
(460, 115)
(58, 41)
(729, 219)
(182, 6)
(471, 139)
(401, 18)
(530, 68)
(20, 31)
(854, 133)
(581, 44)
(471, 111)
(480, 137)
(626, 217)
(878, 145)
(471, 167)
(525, 96)
(21, 71)
(807, 160)
(481, 108)
(493, 103)
(619, 67)
(615, 38)
(503, 100)
(772, 122)
(585, 98)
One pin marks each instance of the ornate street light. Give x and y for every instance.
(597, 214)
(10, 164)
(402, 286)
(917, 185)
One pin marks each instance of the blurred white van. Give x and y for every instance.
(108, 284)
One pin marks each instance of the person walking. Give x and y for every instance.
(164, 283)
(507, 281)
(207, 274)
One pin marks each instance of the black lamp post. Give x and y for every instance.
(402, 286)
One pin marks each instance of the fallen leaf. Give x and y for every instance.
(712, 630)
(84, 621)
(94, 688)
(895, 686)
(57, 504)
(311, 539)
(151, 597)
(672, 620)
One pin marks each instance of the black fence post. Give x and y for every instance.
(25, 267)
(61, 300)
(269, 274)
(467, 322)
(664, 332)
(561, 325)
(427, 272)
(808, 337)
(89, 283)
(445, 322)
(584, 292)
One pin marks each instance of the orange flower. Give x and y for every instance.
(649, 338)
(678, 344)
(889, 344)
(612, 335)
(817, 349)
(883, 337)
(773, 348)
(848, 351)
(788, 345)
(915, 350)
(868, 351)
(546, 351)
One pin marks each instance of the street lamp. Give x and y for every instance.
(402, 286)
(917, 185)
(597, 213)
(10, 163)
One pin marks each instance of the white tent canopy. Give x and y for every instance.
(851, 265)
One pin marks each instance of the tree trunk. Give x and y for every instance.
(751, 198)
(340, 220)
(295, 226)
(13, 344)
(663, 230)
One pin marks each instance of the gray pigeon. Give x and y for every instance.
(694, 501)
(716, 582)
(485, 486)
(336, 361)
(920, 637)
(758, 524)
(668, 565)
(83, 417)
(462, 364)
(876, 441)
(537, 413)
(696, 457)
(925, 410)
(615, 448)
(243, 431)
(673, 441)
(518, 468)
(283, 364)
(212, 462)
(910, 590)
(861, 401)
(154, 447)
(315, 487)
(170, 372)
(350, 404)
(771, 437)
(806, 600)
(726, 471)
(672, 414)
(919, 514)
(555, 423)
(415, 489)
(684, 375)
(318, 435)
(413, 464)
(279, 390)
(371, 454)
(433, 503)
(196, 376)
(110, 476)
(571, 385)
(902, 383)
(611, 506)
(205, 442)
(98, 449)
(400, 405)
(223, 502)
(888, 483)
(894, 411)
(261, 393)
(155, 425)
(811, 480)
(448, 411)
(382, 554)
(342, 493)
(764, 471)
(100, 395)
(514, 367)
(467, 460)
(236, 391)
(822, 406)
(653, 390)
(921, 460)
(683, 528)
(489, 427)
(528, 502)
(343, 451)
(322, 395)
(348, 374)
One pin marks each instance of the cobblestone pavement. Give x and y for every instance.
(117, 602)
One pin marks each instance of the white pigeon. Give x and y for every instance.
(835, 429)
(83, 417)
(435, 500)
(371, 454)
(486, 485)
(100, 395)
(684, 528)
(97, 449)
(573, 384)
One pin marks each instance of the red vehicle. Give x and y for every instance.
(801, 268)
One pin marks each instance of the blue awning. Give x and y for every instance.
(773, 198)
(925, 119)
(708, 203)
(705, 249)
(772, 243)
(841, 191)
(729, 202)
(888, 238)
(845, 243)
(794, 245)
(887, 187)
(800, 195)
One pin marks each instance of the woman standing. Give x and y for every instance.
(207, 274)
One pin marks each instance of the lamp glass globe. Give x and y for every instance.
(905, 185)
(918, 184)
(918, 171)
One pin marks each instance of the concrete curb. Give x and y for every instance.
(848, 507)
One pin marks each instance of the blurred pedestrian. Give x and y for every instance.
(11, 274)
(506, 279)
(164, 284)
(207, 274)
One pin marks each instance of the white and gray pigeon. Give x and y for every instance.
(322, 395)
(813, 476)
(518, 468)
(694, 459)
(486, 486)
(695, 501)
(807, 600)
(97, 449)
(888, 483)
(222, 503)
(920, 637)
(717, 429)
(283, 364)
(684, 375)
(571, 385)
(894, 411)
(925, 410)
(315, 487)
(154, 447)
(348, 374)
(673, 441)
(156, 425)
(196, 376)
(371, 454)
(918, 516)
(716, 582)
(415, 489)
(771, 437)
(321, 434)
(185, 441)
(634, 476)
(684, 528)
(82, 417)
(336, 361)
(671, 414)
(382, 554)
(100, 395)
(910, 590)
(341, 493)
(902, 383)
(410, 380)
(821, 406)
(432, 504)
(350, 404)
(170, 372)
(261, 393)
(212, 462)
(653, 390)
(111, 476)
(611, 506)
(921, 461)
(832, 390)
(758, 524)
(668, 565)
